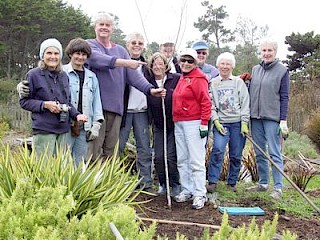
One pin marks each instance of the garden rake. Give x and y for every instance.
(284, 174)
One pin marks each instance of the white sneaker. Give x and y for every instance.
(183, 197)
(198, 202)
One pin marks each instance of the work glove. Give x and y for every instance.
(203, 131)
(219, 127)
(93, 133)
(283, 129)
(245, 76)
(244, 128)
(23, 89)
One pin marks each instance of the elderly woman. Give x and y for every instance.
(85, 96)
(135, 117)
(159, 76)
(49, 100)
(191, 114)
(230, 114)
(269, 98)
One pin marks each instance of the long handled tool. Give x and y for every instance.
(284, 174)
(165, 152)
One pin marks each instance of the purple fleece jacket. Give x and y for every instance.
(112, 80)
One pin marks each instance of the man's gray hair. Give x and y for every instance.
(103, 16)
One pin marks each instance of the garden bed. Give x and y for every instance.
(157, 208)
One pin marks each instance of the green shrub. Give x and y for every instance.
(299, 143)
(42, 213)
(104, 183)
(266, 232)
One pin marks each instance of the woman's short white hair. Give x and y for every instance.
(102, 16)
(270, 42)
(134, 35)
(226, 56)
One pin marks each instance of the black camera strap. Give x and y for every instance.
(56, 79)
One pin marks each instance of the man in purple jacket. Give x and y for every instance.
(114, 68)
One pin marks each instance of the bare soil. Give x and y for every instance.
(157, 208)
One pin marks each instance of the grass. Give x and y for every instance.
(314, 183)
(290, 203)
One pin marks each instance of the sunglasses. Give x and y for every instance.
(190, 61)
(137, 43)
(202, 52)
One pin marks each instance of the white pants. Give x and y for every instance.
(191, 154)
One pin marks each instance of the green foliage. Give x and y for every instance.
(306, 53)
(299, 172)
(267, 231)
(312, 128)
(35, 22)
(291, 201)
(297, 143)
(294, 203)
(103, 183)
(42, 213)
(211, 23)
(314, 183)
(246, 58)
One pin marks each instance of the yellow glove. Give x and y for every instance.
(219, 127)
(244, 128)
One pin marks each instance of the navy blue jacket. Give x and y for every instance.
(155, 103)
(56, 89)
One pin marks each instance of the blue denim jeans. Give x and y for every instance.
(78, 146)
(171, 157)
(139, 122)
(191, 155)
(236, 144)
(265, 133)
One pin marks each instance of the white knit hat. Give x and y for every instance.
(51, 42)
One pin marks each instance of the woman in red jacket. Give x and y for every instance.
(191, 114)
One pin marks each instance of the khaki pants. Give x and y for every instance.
(49, 143)
(104, 145)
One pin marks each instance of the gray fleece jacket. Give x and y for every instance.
(230, 101)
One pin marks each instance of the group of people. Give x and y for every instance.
(94, 101)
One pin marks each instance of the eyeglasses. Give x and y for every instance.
(202, 52)
(190, 61)
(137, 43)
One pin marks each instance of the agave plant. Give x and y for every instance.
(106, 183)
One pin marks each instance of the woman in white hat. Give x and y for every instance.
(49, 100)
(191, 114)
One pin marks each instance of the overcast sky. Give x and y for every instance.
(161, 17)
